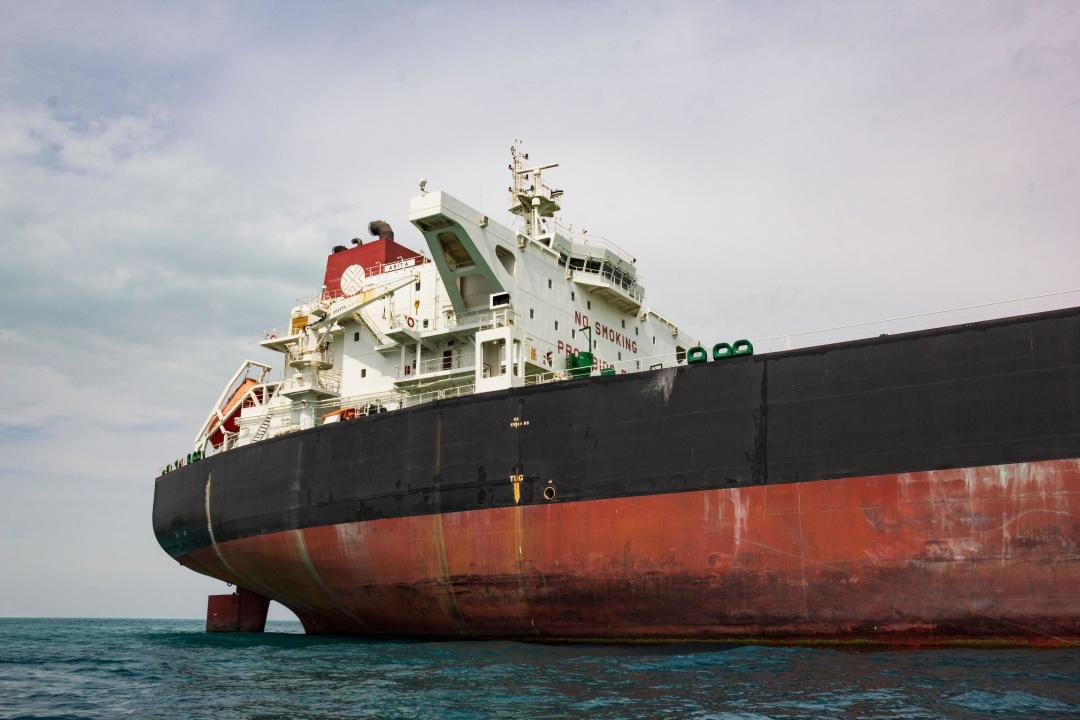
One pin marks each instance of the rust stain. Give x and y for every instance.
(230, 574)
(313, 573)
(439, 541)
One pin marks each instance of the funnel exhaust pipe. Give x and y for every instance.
(381, 230)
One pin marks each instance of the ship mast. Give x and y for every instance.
(530, 198)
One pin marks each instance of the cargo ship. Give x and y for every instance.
(498, 437)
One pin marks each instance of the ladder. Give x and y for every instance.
(359, 311)
(364, 319)
(260, 431)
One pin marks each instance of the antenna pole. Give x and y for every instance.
(530, 198)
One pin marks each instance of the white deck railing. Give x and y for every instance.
(920, 321)
(398, 399)
(777, 343)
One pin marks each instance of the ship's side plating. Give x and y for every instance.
(916, 487)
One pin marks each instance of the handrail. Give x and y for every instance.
(324, 296)
(483, 319)
(397, 399)
(456, 361)
(598, 240)
(628, 283)
(910, 323)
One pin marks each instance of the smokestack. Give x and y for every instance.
(381, 230)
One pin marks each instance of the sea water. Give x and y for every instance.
(172, 669)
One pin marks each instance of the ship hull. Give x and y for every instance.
(922, 488)
(984, 554)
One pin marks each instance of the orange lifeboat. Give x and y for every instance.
(224, 418)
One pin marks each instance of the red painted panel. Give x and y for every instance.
(972, 554)
(372, 256)
(223, 613)
(242, 611)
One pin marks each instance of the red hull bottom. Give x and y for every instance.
(977, 555)
(242, 611)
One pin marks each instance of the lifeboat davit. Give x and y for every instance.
(223, 423)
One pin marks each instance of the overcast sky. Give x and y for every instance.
(173, 175)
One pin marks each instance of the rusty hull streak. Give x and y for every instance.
(305, 559)
(440, 544)
(219, 557)
(977, 556)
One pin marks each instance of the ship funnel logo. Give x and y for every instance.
(352, 279)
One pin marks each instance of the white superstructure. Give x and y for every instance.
(485, 308)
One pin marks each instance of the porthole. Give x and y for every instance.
(549, 492)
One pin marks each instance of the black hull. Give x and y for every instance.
(1005, 391)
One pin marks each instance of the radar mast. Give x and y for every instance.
(530, 198)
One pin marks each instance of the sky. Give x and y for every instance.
(173, 175)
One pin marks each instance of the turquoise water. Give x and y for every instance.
(171, 669)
